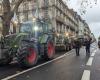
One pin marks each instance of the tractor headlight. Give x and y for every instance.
(15, 46)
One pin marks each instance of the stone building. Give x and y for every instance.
(84, 29)
(63, 19)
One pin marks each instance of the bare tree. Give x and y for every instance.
(8, 13)
(86, 3)
(83, 4)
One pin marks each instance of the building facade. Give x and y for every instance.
(84, 29)
(63, 19)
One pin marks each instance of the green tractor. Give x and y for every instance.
(34, 40)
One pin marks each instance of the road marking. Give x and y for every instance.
(96, 50)
(92, 55)
(12, 76)
(86, 75)
(89, 63)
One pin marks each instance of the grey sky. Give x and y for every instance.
(92, 15)
(93, 18)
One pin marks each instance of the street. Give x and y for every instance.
(49, 40)
(63, 67)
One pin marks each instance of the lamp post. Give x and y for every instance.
(66, 34)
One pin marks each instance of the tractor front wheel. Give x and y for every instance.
(30, 59)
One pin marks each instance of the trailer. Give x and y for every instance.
(63, 42)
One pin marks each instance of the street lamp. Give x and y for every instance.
(66, 34)
(34, 19)
(57, 34)
(15, 22)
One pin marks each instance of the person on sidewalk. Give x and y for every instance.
(77, 46)
(87, 45)
(99, 44)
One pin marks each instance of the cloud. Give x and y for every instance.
(92, 15)
(95, 28)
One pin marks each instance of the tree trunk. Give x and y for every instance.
(8, 14)
(6, 17)
(6, 26)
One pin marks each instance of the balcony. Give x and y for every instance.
(59, 18)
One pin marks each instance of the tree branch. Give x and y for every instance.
(6, 7)
(17, 5)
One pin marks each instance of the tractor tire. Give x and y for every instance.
(31, 57)
(7, 59)
(49, 50)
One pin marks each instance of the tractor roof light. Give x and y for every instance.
(36, 28)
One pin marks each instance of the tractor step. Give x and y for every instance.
(1, 53)
(1, 56)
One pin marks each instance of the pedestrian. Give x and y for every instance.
(99, 44)
(77, 46)
(87, 45)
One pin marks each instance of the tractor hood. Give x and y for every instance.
(14, 40)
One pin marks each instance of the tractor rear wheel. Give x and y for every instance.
(30, 59)
(49, 50)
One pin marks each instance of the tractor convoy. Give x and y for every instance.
(36, 39)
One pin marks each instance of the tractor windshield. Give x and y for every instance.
(26, 28)
(34, 27)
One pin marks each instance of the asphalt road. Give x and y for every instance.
(65, 66)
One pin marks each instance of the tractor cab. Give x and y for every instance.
(36, 29)
(33, 41)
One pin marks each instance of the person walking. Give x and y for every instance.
(99, 44)
(87, 46)
(77, 46)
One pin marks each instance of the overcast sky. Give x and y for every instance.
(92, 15)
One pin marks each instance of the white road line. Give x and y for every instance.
(92, 55)
(95, 50)
(89, 63)
(12, 76)
(86, 75)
